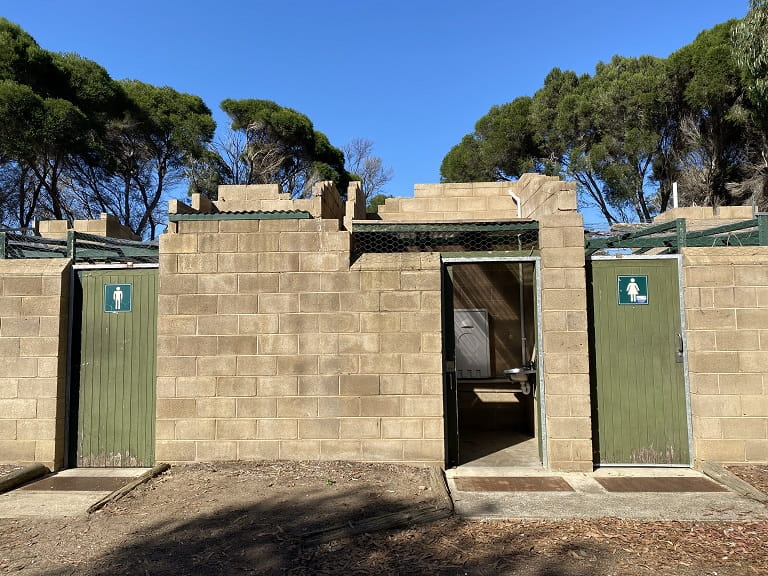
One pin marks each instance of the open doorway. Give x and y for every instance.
(491, 318)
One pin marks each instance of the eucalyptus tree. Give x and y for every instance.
(279, 145)
(502, 147)
(750, 50)
(711, 143)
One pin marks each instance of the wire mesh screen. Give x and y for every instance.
(375, 238)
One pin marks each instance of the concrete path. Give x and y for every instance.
(66, 493)
(590, 499)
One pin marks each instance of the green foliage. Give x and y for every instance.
(280, 146)
(77, 143)
(502, 147)
(626, 132)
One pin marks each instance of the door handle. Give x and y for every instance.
(679, 351)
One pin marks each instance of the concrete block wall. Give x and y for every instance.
(271, 346)
(726, 310)
(33, 324)
(107, 226)
(565, 352)
(323, 203)
(486, 201)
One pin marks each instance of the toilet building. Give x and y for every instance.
(469, 323)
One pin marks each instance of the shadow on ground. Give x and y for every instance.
(266, 538)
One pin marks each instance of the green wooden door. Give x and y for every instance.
(114, 368)
(638, 382)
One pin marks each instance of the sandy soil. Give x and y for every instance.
(251, 518)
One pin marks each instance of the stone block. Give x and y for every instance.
(756, 275)
(319, 428)
(222, 283)
(236, 345)
(176, 325)
(361, 302)
(377, 450)
(194, 345)
(278, 344)
(176, 366)
(359, 428)
(278, 303)
(219, 324)
(299, 323)
(752, 406)
(569, 428)
(278, 262)
(22, 285)
(324, 262)
(380, 280)
(380, 364)
(240, 429)
(711, 319)
(380, 406)
(427, 451)
(716, 406)
(15, 452)
(256, 407)
(358, 384)
(9, 388)
(422, 363)
(340, 322)
(359, 343)
(420, 322)
(338, 407)
(196, 263)
(258, 450)
(234, 386)
(300, 282)
(300, 449)
(400, 342)
(708, 276)
(216, 365)
(174, 408)
(278, 429)
(297, 407)
(400, 384)
(402, 428)
(744, 428)
(318, 344)
(239, 304)
(429, 406)
(755, 318)
(566, 342)
(218, 242)
(346, 364)
(756, 451)
(319, 302)
(195, 429)
(318, 385)
(215, 407)
(255, 283)
(256, 365)
(720, 450)
(23, 326)
(701, 340)
(256, 242)
(751, 384)
(713, 362)
(195, 386)
(215, 450)
(258, 324)
(350, 450)
(297, 365)
(36, 429)
(174, 451)
(400, 301)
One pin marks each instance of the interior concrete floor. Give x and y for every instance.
(498, 449)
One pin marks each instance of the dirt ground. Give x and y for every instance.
(253, 518)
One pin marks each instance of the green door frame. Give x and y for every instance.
(74, 330)
(450, 391)
(684, 342)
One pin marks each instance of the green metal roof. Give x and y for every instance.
(78, 246)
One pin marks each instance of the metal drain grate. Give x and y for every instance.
(512, 484)
(660, 484)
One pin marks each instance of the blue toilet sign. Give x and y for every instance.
(118, 297)
(632, 290)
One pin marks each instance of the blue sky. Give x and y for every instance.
(412, 76)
